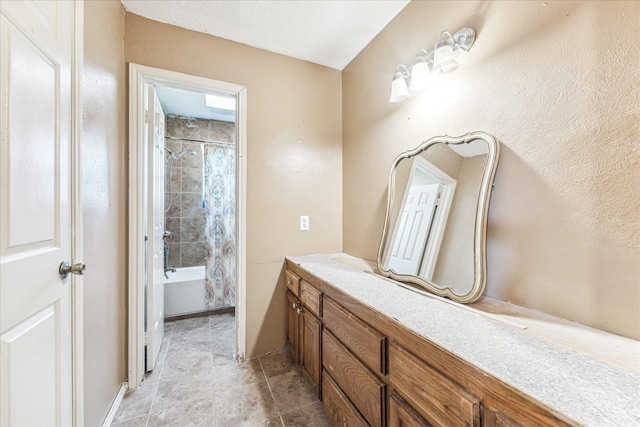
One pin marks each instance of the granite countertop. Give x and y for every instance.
(587, 390)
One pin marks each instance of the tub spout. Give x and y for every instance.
(166, 270)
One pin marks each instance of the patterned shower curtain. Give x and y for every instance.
(219, 192)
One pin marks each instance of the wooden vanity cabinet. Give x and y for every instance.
(495, 418)
(370, 370)
(293, 326)
(437, 399)
(363, 389)
(310, 360)
(401, 414)
(338, 406)
(304, 327)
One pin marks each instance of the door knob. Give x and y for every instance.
(66, 268)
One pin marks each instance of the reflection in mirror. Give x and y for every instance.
(436, 215)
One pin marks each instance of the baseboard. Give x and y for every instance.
(115, 405)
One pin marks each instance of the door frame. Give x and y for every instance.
(139, 75)
(77, 228)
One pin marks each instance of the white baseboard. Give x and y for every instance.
(115, 405)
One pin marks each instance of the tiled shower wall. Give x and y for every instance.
(186, 218)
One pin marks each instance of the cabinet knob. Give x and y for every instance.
(289, 282)
(294, 306)
(299, 311)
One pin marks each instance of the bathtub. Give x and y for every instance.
(184, 291)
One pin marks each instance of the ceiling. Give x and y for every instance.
(325, 32)
(186, 103)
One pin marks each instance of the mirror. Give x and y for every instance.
(437, 206)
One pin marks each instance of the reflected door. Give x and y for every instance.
(413, 228)
(36, 59)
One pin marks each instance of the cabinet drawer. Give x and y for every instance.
(337, 405)
(363, 341)
(311, 297)
(293, 282)
(363, 388)
(439, 400)
(403, 415)
(495, 418)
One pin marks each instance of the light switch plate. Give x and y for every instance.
(304, 222)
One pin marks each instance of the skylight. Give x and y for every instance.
(220, 102)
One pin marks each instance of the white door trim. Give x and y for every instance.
(139, 75)
(77, 229)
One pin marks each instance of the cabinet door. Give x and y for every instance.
(364, 389)
(293, 325)
(403, 415)
(338, 406)
(494, 418)
(310, 329)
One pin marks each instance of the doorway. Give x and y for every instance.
(145, 259)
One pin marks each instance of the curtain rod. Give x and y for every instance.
(200, 140)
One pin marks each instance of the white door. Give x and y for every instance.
(155, 227)
(413, 228)
(36, 135)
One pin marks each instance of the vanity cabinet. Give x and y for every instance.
(304, 305)
(370, 370)
(364, 390)
(310, 330)
(293, 326)
(403, 415)
(438, 400)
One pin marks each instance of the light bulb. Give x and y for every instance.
(420, 76)
(399, 91)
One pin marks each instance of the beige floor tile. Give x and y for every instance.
(225, 370)
(238, 404)
(277, 363)
(188, 363)
(132, 422)
(197, 382)
(312, 415)
(191, 419)
(291, 391)
(136, 403)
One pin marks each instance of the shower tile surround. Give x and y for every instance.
(186, 217)
(196, 382)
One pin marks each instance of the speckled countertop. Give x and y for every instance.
(587, 390)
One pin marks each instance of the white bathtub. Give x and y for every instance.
(184, 291)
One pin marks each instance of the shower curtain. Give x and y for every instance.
(220, 229)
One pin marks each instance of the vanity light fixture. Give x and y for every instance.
(399, 91)
(443, 59)
(420, 73)
(439, 60)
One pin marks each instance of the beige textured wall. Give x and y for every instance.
(293, 153)
(104, 204)
(557, 83)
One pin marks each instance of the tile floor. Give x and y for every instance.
(196, 382)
